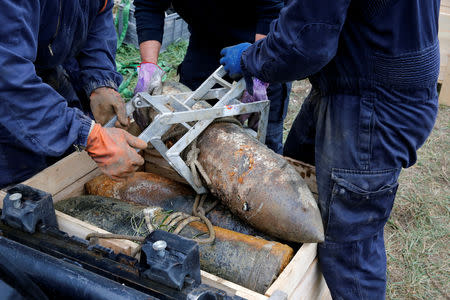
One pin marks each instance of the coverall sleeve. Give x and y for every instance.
(301, 41)
(29, 109)
(267, 11)
(150, 16)
(97, 57)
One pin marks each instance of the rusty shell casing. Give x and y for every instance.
(153, 190)
(258, 185)
(142, 188)
(248, 261)
(255, 183)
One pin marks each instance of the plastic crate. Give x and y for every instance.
(175, 28)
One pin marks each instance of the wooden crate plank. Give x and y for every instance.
(445, 6)
(324, 291)
(444, 42)
(77, 188)
(76, 227)
(444, 96)
(295, 270)
(63, 173)
(231, 287)
(311, 285)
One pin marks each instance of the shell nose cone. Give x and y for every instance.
(293, 217)
(307, 225)
(313, 230)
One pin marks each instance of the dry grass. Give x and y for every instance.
(418, 233)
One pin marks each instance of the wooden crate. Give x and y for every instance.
(444, 43)
(301, 279)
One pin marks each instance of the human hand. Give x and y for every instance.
(231, 59)
(106, 103)
(259, 94)
(112, 150)
(149, 79)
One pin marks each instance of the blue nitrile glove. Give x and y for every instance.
(259, 94)
(231, 59)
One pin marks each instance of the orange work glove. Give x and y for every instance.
(112, 150)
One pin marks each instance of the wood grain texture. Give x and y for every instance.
(444, 40)
(444, 96)
(63, 173)
(295, 271)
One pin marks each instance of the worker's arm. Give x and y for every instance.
(37, 115)
(99, 77)
(30, 109)
(301, 42)
(97, 57)
(150, 29)
(266, 12)
(150, 19)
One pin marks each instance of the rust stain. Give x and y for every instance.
(140, 188)
(284, 252)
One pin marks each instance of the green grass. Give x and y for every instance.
(418, 233)
(128, 58)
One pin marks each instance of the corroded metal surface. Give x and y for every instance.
(142, 188)
(246, 260)
(153, 190)
(258, 185)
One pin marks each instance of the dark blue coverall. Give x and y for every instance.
(52, 53)
(374, 67)
(214, 25)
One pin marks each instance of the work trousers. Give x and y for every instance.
(359, 145)
(202, 60)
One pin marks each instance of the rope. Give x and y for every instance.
(198, 215)
(195, 165)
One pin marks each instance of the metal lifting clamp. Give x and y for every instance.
(178, 109)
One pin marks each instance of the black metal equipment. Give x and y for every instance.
(171, 259)
(24, 207)
(35, 255)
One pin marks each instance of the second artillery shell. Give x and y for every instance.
(246, 260)
(258, 185)
(153, 190)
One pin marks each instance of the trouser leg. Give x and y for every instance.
(360, 145)
(278, 94)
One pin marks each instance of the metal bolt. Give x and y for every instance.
(15, 198)
(160, 247)
(138, 103)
